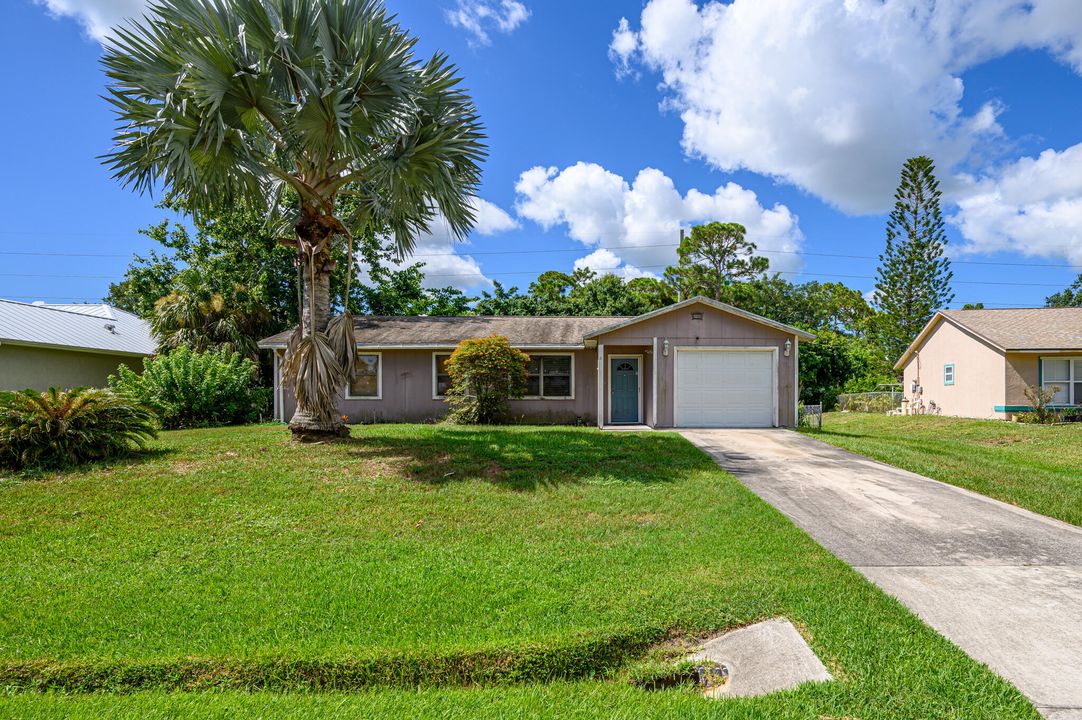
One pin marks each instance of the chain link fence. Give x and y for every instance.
(811, 416)
(870, 402)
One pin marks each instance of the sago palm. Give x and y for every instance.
(298, 103)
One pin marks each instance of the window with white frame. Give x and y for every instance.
(441, 380)
(948, 374)
(549, 376)
(365, 383)
(1065, 375)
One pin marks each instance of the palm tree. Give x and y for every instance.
(296, 105)
(195, 316)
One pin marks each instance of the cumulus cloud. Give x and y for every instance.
(482, 17)
(491, 219)
(438, 250)
(96, 16)
(632, 228)
(834, 95)
(1032, 206)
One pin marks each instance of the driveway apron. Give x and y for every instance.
(1002, 583)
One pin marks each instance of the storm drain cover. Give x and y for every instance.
(759, 659)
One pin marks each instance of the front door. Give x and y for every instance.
(624, 384)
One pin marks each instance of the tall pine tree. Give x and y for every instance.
(914, 275)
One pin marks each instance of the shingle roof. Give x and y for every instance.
(1024, 328)
(449, 331)
(85, 327)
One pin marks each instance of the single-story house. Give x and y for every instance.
(978, 363)
(697, 363)
(66, 346)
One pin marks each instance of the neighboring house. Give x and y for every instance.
(66, 346)
(697, 363)
(978, 363)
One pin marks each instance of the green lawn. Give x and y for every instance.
(487, 567)
(1032, 466)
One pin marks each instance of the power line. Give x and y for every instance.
(801, 253)
(532, 272)
(84, 298)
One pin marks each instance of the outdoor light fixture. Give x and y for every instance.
(665, 348)
(788, 347)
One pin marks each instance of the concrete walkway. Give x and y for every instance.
(1002, 583)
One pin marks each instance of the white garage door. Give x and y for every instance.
(724, 389)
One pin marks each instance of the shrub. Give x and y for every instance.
(485, 374)
(190, 389)
(60, 428)
(1040, 398)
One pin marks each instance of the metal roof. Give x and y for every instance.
(100, 328)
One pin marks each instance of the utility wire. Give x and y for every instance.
(801, 253)
(641, 267)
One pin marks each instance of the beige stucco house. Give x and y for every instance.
(978, 363)
(66, 346)
(697, 363)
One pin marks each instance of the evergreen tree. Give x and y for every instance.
(913, 279)
(1070, 297)
(713, 256)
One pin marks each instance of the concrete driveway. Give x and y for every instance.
(1002, 583)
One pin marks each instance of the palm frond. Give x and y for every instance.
(312, 370)
(340, 334)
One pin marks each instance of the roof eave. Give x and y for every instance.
(264, 345)
(923, 334)
(75, 348)
(717, 305)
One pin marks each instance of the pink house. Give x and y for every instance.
(697, 363)
(978, 363)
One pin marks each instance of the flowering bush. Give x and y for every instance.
(485, 374)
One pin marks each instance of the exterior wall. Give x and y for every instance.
(407, 387)
(24, 367)
(1023, 370)
(716, 329)
(979, 373)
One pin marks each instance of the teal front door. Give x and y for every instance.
(624, 384)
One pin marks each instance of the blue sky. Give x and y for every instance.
(611, 125)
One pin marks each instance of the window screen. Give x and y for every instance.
(549, 376)
(365, 380)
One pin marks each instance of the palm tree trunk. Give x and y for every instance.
(314, 232)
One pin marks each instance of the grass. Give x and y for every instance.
(1036, 467)
(432, 571)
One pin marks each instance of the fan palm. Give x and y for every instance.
(196, 317)
(296, 104)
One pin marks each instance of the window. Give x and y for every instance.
(1065, 374)
(366, 383)
(549, 376)
(948, 374)
(441, 381)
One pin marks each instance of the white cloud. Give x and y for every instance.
(1032, 206)
(481, 17)
(632, 228)
(97, 16)
(491, 219)
(438, 250)
(834, 95)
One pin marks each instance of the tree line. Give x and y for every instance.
(231, 283)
